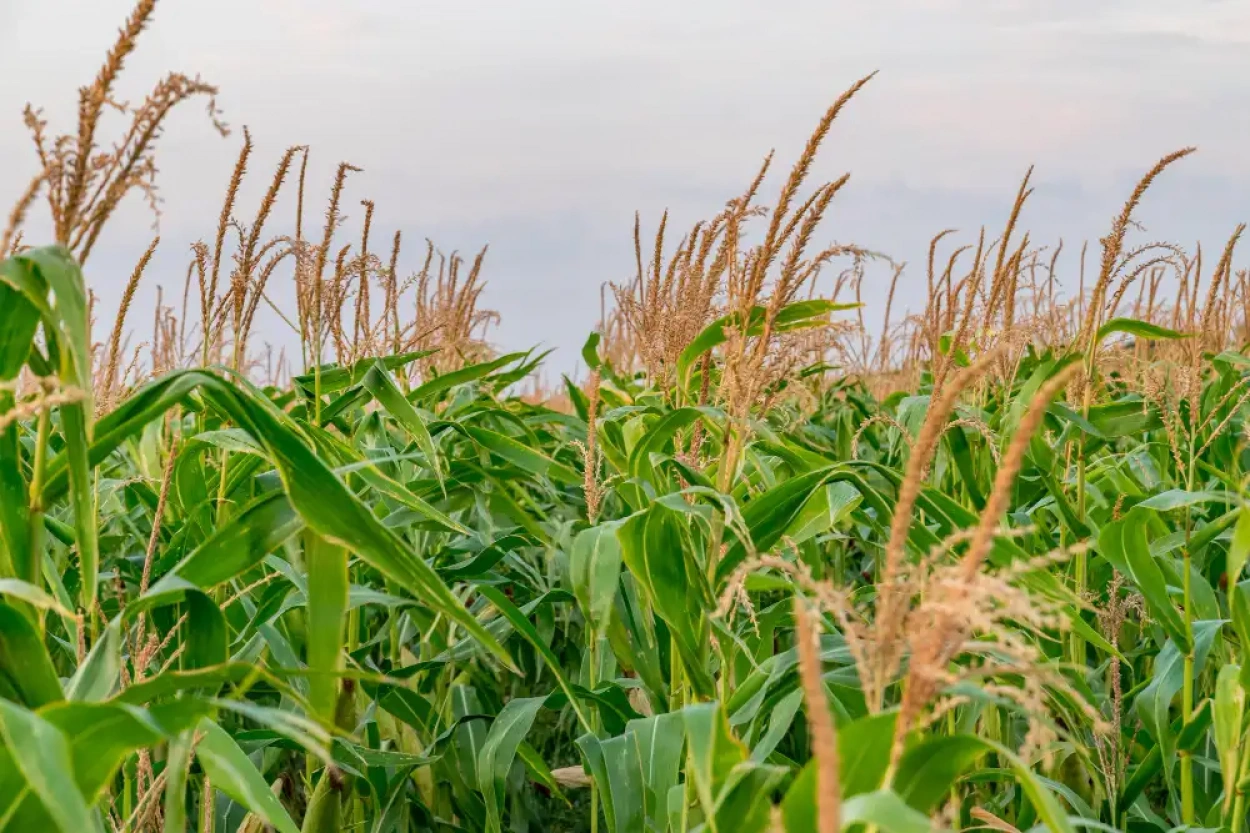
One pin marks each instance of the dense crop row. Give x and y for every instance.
(761, 571)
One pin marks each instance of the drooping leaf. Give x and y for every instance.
(234, 774)
(1125, 545)
(498, 752)
(1137, 329)
(595, 568)
(45, 762)
(24, 662)
(379, 383)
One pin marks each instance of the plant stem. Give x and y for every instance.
(34, 566)
(1081, 565)
(1239, 801)
(593, 680)
(951, 731)
(726, 646)
(206, 816)
(128, 789)
(221, 488)
(1188, 814)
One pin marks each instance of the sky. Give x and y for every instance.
(541, 126)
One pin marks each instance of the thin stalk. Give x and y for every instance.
(317, 394)
(725, 646)
(691, 796)
(221, 488)
(951, 730)
(353, 621)
(206, 815)
(594, 724)
(177, 763)
(128, 790)
(724, 479)
(1081, 561)
(726, 650)
(35, 564)
(1239, 801)
(316, 348)
(393, 624)
(38, 471)
(219, 592)
(1081, 571)
(674, 676)
(1188, 814)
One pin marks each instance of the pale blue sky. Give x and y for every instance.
(541, 126)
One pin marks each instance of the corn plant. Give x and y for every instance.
(222, 611)
(764, 568)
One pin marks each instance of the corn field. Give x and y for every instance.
(764, 566)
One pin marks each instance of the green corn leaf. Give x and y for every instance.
(524, 627)
(1154, 702)
(590, 351)
(99, 674)
(25, 665)
(19, 319)
(714, 751)
(470, 735)
(15, 555)
(864, 746)
(780, 719)
(1043, 800)
(446, 381)
(14, 588)
(1229, 716)
(251, 534)
(327, 610)
(335, 514)
(526, 458)
(234, 774)
(1137, 329)
(82, 495)
(794, 316)
(379, 383)
(659, 741)
(770, 515)
(595, 763)
(540, 773)
(334, 379)
(661, 434)
(653, 549)
(930, 768)
(178, 763)
(885, 810)
(1239, 548)
(745, 802)
(498, 752)
(47, 766)
(1125, 545)
(102, 734)
(52, 283)
(1189, 736)
(595, 569)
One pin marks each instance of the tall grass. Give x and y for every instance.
(768, 568)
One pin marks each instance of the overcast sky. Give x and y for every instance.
(540, 126)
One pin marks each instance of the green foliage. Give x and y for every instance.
(400, 619)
